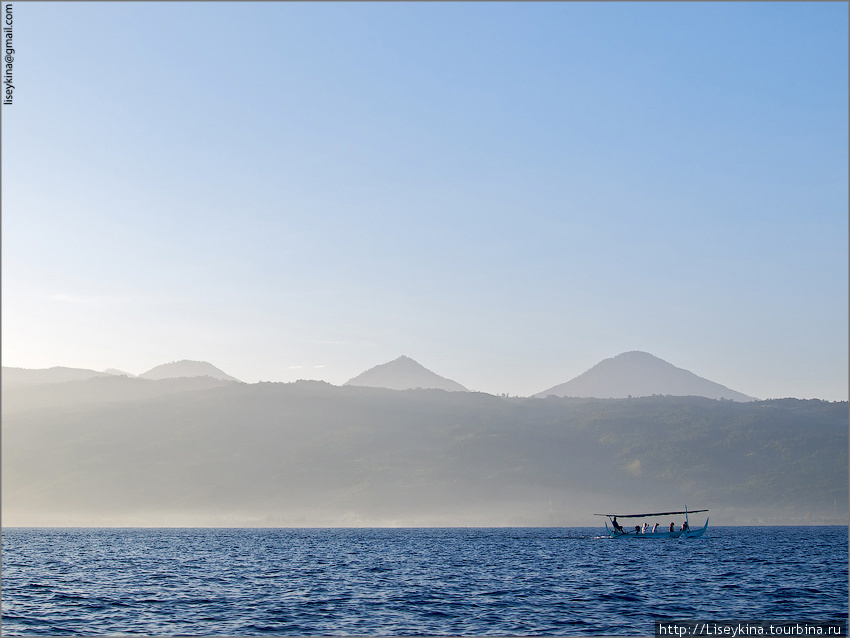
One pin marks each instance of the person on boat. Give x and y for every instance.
(672, 525)
(655, 528)
(645, 525)
(685, 526)
(637, 529)
(617, 526)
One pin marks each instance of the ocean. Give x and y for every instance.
(405, 582)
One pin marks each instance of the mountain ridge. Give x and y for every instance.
(633, 373)
(14, 376)
(309, 453)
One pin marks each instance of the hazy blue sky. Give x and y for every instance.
(508, 193)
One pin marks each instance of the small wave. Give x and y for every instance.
(627, 597)
(64, 596)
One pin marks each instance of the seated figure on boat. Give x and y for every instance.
(645, 525)
(637, 529)
(672, 525)
(655, 528)
(617, 526)
(685, 526)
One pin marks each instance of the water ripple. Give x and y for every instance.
(494, 582)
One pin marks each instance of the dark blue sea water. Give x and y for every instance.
(501, 581)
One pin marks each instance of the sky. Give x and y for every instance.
(508, 193)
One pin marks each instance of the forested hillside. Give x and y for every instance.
(203, 452)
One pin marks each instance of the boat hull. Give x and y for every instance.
(689, 533)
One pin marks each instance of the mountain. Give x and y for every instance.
(120, 451)
(27, 376)
(640, 374)
(404, 374)
(177, 369)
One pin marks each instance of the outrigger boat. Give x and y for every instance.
(618, 531)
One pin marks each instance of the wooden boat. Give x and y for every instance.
(620, 531)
